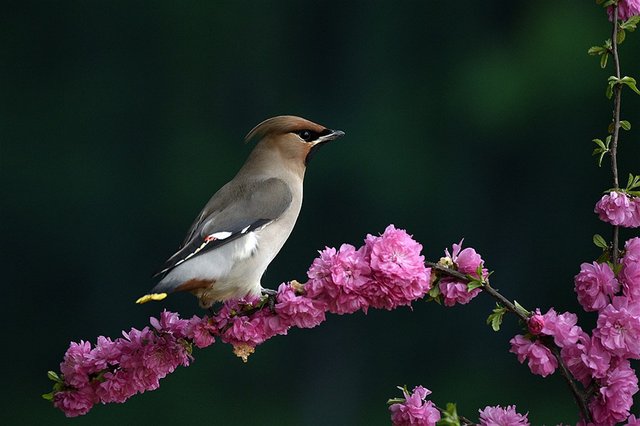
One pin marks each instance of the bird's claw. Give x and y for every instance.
(270, 298)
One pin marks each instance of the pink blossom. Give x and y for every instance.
(632, 421)
(635, 215)
(395, 254)
(632, 249)
(619, 328)
(338, 279)
(75, 402)
(535, 323)
(397, 267)
(299, 310)
(630, 270)
(132, 347)
(454, 291)
(163, 355)
(595, 284)
(415, 411)
(615, 396)
(541, 360)
(572, 355)
(498, 416)
(77, 364)
(143, 379)
(201, 331)
(562, 327)
(618, 208)
(466, 260)
(626, 9)
(587, 359)
(170, 322)
(520, 346)
(596, 358)
(118, 386)
(106, 353)
(251, 329)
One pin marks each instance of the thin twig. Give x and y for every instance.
(505, 302)
(577, 394)
(493, 292)
(617, 96)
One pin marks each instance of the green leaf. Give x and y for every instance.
(450, 416)
(631, 23)
(495, 319)
(48, 396)
(391, 401)
(596, 50)
(609, 91)
(600, 159)
(600, 242)
(633, 182)
(520, 308)
(472, 285)
(620, 36)
(625, 125)
(434, 293)
(52, 375)
(634, 193)
(631, 82)
(600, 144)
(603, 60)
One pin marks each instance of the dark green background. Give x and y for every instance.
(464, 119)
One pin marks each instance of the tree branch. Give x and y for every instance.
(617, 95)
(577, 394)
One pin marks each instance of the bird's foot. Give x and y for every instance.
(270, 298)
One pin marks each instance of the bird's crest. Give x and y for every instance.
(280, 125)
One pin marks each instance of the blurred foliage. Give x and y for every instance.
(468, 119)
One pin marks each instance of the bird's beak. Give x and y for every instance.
(331, 135)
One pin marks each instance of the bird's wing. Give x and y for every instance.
(231, 213)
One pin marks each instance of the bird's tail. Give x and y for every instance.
(167, 286)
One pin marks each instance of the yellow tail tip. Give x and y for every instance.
(153, 296)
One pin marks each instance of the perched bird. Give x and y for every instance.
(245, 224)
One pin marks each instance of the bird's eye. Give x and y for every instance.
(307, 135)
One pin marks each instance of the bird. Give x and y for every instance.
(247, 221)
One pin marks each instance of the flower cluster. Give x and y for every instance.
(114, 370)
(626, 9)
(466, 261)
(414, 409)
(386, 272)
(498, 416)
(620, 209)
(602, 358)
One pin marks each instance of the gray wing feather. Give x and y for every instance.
(231, 213)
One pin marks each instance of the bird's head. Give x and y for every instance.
(294, 138)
